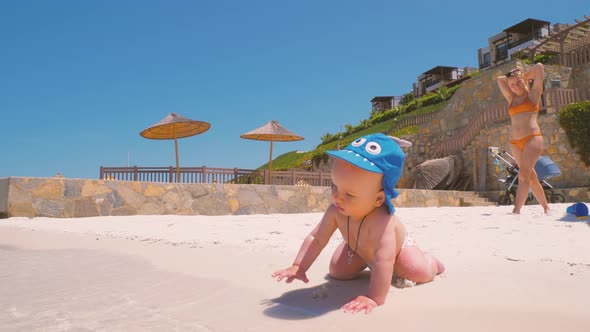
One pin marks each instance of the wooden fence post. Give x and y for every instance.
(483, 169)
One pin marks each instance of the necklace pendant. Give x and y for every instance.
(350, 255)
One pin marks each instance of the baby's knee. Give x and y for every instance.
(422, 273)
(339, 274)
(342, 276)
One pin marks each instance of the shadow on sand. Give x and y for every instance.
(306, 303)
(572, 218)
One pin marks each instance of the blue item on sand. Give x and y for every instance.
(579, 209)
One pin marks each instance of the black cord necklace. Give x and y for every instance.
(351, 254)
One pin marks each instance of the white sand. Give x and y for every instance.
(199, 273)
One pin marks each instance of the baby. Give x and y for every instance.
(364, 175)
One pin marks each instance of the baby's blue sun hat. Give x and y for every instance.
(377, 153)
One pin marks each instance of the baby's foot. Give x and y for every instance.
(398, 282)
(439, 266)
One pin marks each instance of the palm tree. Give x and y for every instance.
(326, 137)
(365, 123)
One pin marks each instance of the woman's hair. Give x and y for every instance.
(514, 73)
(517, 73)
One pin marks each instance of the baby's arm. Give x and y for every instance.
(310, 249)
(382, 272)
(383, 240)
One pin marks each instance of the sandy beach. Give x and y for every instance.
(212, 273)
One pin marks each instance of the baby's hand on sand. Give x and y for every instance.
(291, 273)
(360, 303)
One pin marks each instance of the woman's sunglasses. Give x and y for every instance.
(514, 72)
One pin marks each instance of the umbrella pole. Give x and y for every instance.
(177, 168)
(270, 164)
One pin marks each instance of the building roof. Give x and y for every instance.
(440, 69)
(527, 26)
(382, 98)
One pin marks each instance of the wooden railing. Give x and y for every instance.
(300, 178)
(579, 56)
(215, 175)
(187, 174)
(556, 97)
(457, 142)
(412, 121)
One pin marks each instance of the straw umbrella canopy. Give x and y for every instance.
(273, 132)
(438, 173)
(430, 173)
(174, 126)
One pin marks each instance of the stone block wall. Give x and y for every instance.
(581, 80)
(63, 198)
(3, 198)
(66, 198)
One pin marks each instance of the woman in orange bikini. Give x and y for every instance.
(526, 141)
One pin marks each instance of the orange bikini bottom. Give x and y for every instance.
(521, 142)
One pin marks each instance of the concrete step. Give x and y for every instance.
(473, 199)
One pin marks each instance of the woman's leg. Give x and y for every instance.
(535, 184)
(539, 192)
(527, 178)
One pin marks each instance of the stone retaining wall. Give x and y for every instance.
(49, 197)
(67, 198)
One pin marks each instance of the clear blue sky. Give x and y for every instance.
(79, 80)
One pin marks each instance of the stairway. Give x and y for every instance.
(471, 198)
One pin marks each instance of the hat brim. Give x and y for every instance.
(356, 160)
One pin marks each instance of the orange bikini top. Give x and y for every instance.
(525, 106)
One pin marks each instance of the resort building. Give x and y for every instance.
(437, 77)
(516, 38)
(383, 103)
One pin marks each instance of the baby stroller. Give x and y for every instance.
(544, 167)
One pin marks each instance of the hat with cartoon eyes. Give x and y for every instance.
(377, 153)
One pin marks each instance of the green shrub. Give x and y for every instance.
(319, 157)
(575, 120)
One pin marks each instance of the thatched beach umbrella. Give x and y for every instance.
(174, 127)
(272, 132)
(437, 173)
(430, 173)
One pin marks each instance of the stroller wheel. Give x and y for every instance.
(504, 200)
(555, 197)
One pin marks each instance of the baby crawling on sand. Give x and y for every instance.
(364, 175)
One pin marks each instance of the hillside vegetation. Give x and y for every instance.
(378, 122)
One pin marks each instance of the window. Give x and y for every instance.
(502, 51)
(486, 59)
